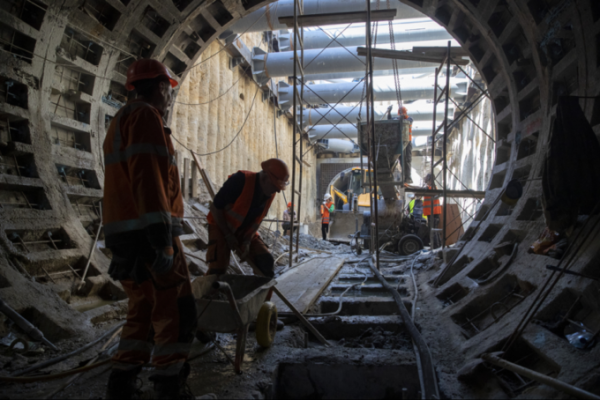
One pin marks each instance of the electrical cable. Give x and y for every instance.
(211, 100)
(232, 140)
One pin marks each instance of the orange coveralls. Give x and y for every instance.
(218, 254)
(143, 210)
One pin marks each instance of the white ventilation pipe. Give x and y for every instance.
(349, 114)
(267, 18)
(349, 131)
(352, 92)
(338, 146)
(322, 61)
(361, 74)
(317, 39)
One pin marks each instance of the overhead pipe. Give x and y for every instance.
(338, 146)
(349, 131)
(318, 39)
(346, 114)
(321, 61)
(352, 92)
(267, 18)
(361, 74)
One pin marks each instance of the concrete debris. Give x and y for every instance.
(378, 338)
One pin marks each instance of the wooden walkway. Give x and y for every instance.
(304, 284)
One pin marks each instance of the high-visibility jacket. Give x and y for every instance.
(437, 208)
(142, 193)
(405, 116)
(325, 210)
(236, 213)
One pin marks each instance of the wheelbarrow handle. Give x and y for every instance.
(224, 287)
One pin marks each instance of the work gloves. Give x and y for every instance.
(164, 260)
(234, 244)
(232, 241)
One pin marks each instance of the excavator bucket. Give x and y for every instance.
(343, 225)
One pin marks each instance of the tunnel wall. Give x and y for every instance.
(210, 127)
(529, 53)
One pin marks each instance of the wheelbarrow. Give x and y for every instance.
(229, 303)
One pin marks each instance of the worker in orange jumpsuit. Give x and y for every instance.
(326, 209)
(437, 209)
(143, 210)
(236, 213)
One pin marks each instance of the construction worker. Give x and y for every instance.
(236, 213)
(437, 208)
(415, 206)
(326, 208)
(288, 220)
(403, 115)
(143, 210)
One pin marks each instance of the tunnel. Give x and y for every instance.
(62, 81)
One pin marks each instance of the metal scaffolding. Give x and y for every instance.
(297, 111)
(444, 92)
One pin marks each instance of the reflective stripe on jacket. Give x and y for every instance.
(325, 212)
(141, 182)
(236, 213)
(437, 208)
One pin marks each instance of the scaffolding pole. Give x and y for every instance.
(297, 105)
(371, 132)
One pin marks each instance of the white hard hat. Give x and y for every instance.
(410, 195)
(327, 196)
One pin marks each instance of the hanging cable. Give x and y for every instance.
(232, 140)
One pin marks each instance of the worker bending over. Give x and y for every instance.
(326, 208)
(236, 213)
(288, 221)
(142, 216)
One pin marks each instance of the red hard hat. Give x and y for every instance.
(147, 68)
(277, 171)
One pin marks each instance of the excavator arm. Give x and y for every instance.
(338, 193)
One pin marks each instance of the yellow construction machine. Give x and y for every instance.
(352, 222)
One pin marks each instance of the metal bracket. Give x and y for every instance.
(235, 61)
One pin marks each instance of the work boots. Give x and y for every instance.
(122, 384)
(175, 387)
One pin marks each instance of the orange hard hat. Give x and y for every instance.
(402, 110)
(147, 68)
(290, 204)
(277, 171)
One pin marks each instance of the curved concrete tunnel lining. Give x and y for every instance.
(522, 94)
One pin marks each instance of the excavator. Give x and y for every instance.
(352, 222)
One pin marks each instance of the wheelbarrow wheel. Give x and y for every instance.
(266, 324)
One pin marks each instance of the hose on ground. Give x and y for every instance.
(30, 379)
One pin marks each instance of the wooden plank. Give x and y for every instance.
(407, 55)
(186, 179)
(339, 18)
(471, 194)
(304, 284)
(454, 224)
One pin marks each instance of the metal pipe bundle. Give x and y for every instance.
(267, 18)
(352, 92)
(347, 114)
(338, 145)
(318, 61)
(349, 131)
(318, 39)
(361, 74)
